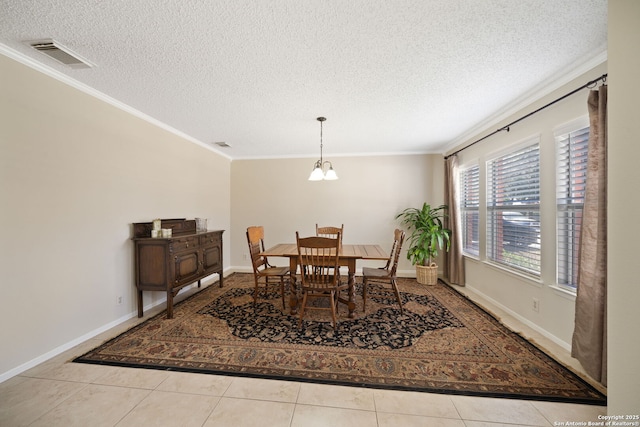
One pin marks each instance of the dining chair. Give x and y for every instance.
(262, 270)
(386, 274)
(330, 231)
(319, 259)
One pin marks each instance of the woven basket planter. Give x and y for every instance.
(427, 274)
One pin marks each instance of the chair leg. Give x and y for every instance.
(364, 294)
(333, 309)
(255, 293)
(302, 307)
(282, 290)
(395, 290)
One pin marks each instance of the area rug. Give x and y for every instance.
(443, 343)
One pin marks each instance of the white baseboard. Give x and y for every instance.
(66, 346)
(518, 317)
(89, 335)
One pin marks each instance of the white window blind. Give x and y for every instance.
(513, 209)
(570, 186)
(469, 209)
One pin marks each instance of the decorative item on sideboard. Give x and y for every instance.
(201, 224)
(157, 228)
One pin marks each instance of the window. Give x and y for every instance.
(570, 186)
(513, 209)
(469, 204)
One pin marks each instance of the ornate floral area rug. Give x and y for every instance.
(443, 343)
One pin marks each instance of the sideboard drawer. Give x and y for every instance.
(210, 238)
(183, 243)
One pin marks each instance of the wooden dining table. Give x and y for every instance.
(349, 255)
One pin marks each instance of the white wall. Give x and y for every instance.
(75, 172)
(369, 193)
(624, 176)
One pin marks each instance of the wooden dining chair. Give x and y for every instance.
(318, 258)
(331, 232)
(262, 270)
(386, 274)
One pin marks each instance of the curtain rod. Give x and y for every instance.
(506, 127)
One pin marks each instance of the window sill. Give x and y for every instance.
(471, 257)
(563, 292)
(528, 279)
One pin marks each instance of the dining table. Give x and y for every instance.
(348, 256)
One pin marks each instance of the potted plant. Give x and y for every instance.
(428, 235)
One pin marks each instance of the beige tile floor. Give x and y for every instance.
(60, 393)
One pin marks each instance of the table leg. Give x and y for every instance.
(352, 287)
(293, 286)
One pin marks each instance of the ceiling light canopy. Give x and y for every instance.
(318, 173)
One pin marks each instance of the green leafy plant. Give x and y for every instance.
(428, 234)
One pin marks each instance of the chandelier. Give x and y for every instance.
(318, 173)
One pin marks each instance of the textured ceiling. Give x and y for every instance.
(391, 76)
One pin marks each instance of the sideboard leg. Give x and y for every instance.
(170, 304)
(139, 303)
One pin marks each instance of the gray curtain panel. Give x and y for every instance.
(454, 263)
(589, 344)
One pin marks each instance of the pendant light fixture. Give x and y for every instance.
(318, 173)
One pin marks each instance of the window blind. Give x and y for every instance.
(513, 209)
(570, 187)
(469, 209)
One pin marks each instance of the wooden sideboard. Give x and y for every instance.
(169, 264)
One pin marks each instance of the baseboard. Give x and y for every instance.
(61, 349)
(520, 318)
(89, 335)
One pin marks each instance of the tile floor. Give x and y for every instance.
(59, 393)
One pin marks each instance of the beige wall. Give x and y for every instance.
(624, 176)
(513, 292)
(369, 193)
(75, 172)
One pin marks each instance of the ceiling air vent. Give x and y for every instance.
(60, 53)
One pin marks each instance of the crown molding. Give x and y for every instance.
(61, 77)
(557, 81)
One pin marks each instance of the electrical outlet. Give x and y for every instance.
(536, 305)
(119, 300)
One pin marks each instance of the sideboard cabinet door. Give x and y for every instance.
(187, 267)
(211, 245)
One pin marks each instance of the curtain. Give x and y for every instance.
(589, 343)
(454, 263)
